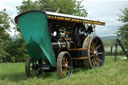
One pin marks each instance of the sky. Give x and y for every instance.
(107, 11)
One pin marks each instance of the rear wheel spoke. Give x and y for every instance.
(100, 52)
(98, 47)
(95, 62)
(92, 48)
(92, 55)
(92, 51)
(95, 43)
(98, 59)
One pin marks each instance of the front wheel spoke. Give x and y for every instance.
(63, 65)
(63, 60)
(66, 61)
(33, 72)
(67, 66)
(64, 72)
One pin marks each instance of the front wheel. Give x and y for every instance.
(64, 64)
(31, 68)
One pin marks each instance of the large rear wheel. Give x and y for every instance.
(96, 53)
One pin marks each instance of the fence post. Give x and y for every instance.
(115, 58)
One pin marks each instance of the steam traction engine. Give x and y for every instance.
(59, 41)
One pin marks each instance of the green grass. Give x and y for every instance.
(112, 73)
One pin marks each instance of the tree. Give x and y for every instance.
(4, 36)
(71, 7)
(123, 31)
(124, 16)
(27, 5)
(11, 49)
(17, 49)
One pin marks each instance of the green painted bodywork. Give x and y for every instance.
(34, 28)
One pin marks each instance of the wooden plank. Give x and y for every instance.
(75, 49)
(79, 58)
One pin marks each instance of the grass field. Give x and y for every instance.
(112, 73)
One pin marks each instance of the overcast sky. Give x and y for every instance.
(107, 11)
